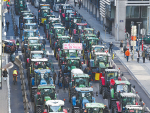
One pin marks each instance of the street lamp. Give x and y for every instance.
(138, 33)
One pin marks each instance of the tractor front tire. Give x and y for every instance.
(109, 101)
(38, 110)
(76, 110)
(100, 87)
(32, 94)
(104, 93)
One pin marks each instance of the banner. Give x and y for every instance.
(76, 46)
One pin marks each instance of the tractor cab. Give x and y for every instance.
(30, 26)
(134, 109)
(44, 10)
(20, 5)
(42, 77)
(55, 106)
(80, 97)
(62, 8)
(29, 20)
(29, 33)
(96, 108)
(57, 4)
(44, 94)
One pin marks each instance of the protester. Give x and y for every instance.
(7, 25)
(127, 53)
(124, 50)
(54, 77)
(121, 45)
(5, 74)
(110, 47)
(143, 55)
(138, 56)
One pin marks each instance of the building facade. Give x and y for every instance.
(116, 15)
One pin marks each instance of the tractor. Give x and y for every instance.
(101, 61)
(78, 29)
(80, 97)
(40, 77)
(96, 108)
(78, 79)
(57, 31)
(43, 11)
(119, 105)
(57, 4)
(55, 106)
(105, 78)
(135, 109)
(20, 5)
(116, 87)
(43, 94)
(59, 44)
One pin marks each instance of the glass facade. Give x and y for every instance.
(132, 12)
(143, 12)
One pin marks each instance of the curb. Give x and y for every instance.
(147, 93)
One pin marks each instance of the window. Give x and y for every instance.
(132, 12)
(143, 12)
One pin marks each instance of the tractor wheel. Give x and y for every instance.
(32, 94)
(109, 101)
(76, 110)
(38, 110)
(100, 87)
(115, 109)
(104, 93)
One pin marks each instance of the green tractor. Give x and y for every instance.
(55, 106)
(20, 5)
(120, 104)
(59, 44)
(104, 83)
(96, 108)
(44, 93)
(57, 31)
(78, 79)
(80, 97)
(135, 109)
(117, 87)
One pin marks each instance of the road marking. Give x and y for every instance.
(8, 86)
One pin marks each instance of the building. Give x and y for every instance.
(116, 15)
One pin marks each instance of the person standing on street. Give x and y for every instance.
(66, 82)
(124, 50)
(54, 77)
(121, 45)
(7, 25)
(98, 34)
(5, 74)
(75, 2)
(59, 73)
(127, 53)
(60, 81)
(138, 56)
(16, 31)
(79, 4)
(110, 47)
(17, 43)
(143, 55)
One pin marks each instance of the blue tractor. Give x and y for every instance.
(80, 97)
(40, 77)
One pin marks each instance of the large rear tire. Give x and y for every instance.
(109, 101)
(76, 110)
(32, 94)
(100, 87)
(104, 93)
(38, 109)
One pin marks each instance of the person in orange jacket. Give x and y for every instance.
(127, 53)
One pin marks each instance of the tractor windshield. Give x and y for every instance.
(30, 34)
(35, 47)
(81, 27)
(73, 62)
(55, 108)
(134, 111)
(59, 31)
(30, 27)
(101, 59)
(128, 101)
(39, 65)
(123, 88)
(86, 95)
(89, 31)
(69, 11)
(95, 110)
(33, 41)
(92, 42)
(34, 56)
(98, 49)
(29, 20)
(112, 75)
(77, 20)
(45, 12)
(81, 82)
(47, 91)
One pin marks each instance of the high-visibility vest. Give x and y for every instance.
(15, 72)
(17, 43)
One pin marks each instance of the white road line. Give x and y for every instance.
(8, 86)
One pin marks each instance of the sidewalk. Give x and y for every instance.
(139, 71)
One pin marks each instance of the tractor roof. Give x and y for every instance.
(76, 71)
(128, 94)
(92, 38)
(42, 71)
(46, 86)
(54, 18)
(34, 44)
(81, 24)
(111, 70)
(55, 103)
(63, 36)
(59, 27)
(51, 15)
(92, 35)
(39, 60)
(134, 107)
(30, 23)
(93, 46)
(88, 29)
(102, 54)
(30, 30)
(36, 52)
(85, 89)
(72, 58)
(28, 17)
(33, 38)
(81, 76)
(122, 82)
(95, 105)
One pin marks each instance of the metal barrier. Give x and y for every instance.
(23, 85)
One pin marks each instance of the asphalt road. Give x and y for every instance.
(16, 95)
